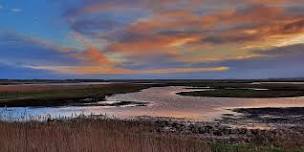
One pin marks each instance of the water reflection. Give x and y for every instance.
(161, 102)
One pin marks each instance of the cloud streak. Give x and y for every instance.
(184, 32)
(113, 71)
(172, 36)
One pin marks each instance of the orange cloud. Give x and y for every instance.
(94, 56)
(91, 54)
(256, 14)
(154, 45)
(265, 21)
(102, 70)
(274, 1)
(186, 35)
(185, 70)
(178, 19)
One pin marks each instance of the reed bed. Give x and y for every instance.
(92, 135)
(101, 134)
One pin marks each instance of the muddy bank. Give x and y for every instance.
(256, 125)
(289, 116)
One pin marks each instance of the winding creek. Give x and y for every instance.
(154, 102)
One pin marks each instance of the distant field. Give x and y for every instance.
(48, 94)
(238, 93)
(58, 95)
(248, 90)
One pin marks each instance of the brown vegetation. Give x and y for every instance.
(94, 135)
(109, 135)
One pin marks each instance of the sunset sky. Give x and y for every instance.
(132, 39)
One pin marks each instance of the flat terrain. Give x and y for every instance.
(60, 95)
(243, 93)
(247, 130)
(248, 90)
(45, 93)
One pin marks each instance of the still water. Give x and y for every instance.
(160, 102)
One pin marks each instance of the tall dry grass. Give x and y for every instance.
(94, 135)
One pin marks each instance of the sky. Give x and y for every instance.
(151, 39)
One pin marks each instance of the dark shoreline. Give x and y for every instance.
(247, 90)
(241, 93)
